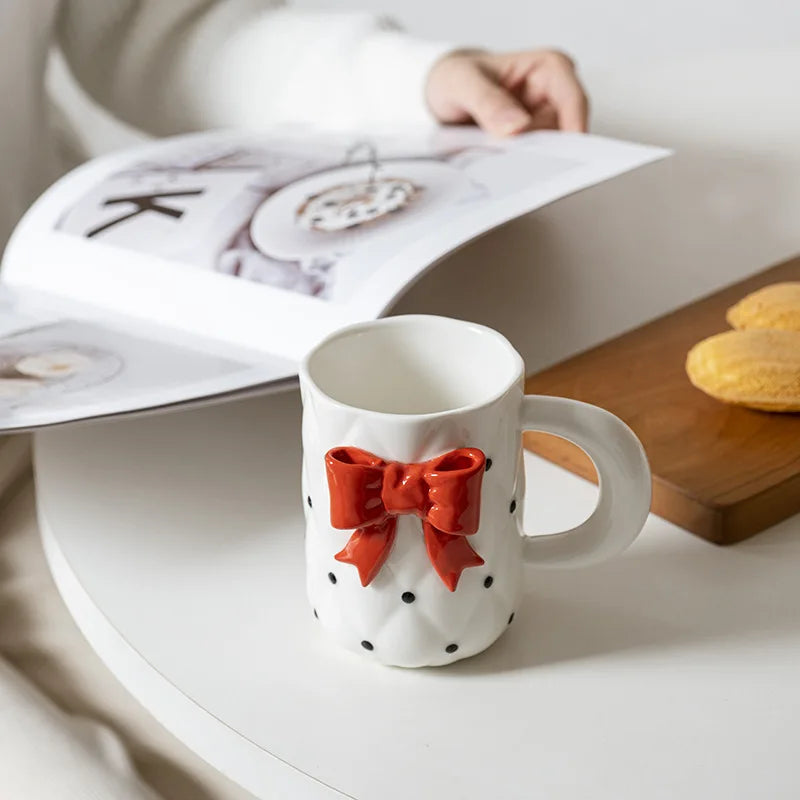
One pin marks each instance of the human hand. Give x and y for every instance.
(507, 93)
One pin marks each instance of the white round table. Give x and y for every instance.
(177, 543)
(671, 672)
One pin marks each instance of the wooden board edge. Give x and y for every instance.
(710, 523)
(761, 511)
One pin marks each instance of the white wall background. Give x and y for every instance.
(601, 33)
(718, 80)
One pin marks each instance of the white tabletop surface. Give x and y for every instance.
(177, 542)
(671, 672)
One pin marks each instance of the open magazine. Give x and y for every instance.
(205, 266)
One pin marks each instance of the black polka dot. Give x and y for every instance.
(513, 507)
(488, 464)
(511, 618)
(489, 581)
(367, 645)
(451, 648)
(316, 616)
(331, 577)
(408, 597)
(308, 500)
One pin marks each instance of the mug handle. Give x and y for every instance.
(623, 479)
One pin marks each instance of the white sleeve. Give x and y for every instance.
(183, 65)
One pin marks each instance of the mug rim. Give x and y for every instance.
(401, 319)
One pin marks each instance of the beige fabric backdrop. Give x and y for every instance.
(39, 638)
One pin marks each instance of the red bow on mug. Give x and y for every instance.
(369, 494)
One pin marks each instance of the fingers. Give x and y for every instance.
(491, 106)
(556, 79)
(544, 118)
(507, 93)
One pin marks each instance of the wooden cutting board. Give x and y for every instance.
(722, 472)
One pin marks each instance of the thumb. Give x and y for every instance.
(492, 107)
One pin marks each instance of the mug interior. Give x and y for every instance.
(414, 365)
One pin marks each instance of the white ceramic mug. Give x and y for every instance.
(413, 486)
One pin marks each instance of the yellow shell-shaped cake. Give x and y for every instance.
(775, 307)
(755, 368)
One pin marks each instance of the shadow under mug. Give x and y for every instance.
(413, 483)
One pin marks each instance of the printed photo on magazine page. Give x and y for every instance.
(56, 369)
(207, 265)
(297, 215)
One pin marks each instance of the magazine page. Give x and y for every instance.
(271, 241)
(60, 364)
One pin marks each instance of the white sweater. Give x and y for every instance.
(168, 66)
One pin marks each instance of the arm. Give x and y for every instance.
(175, 65)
